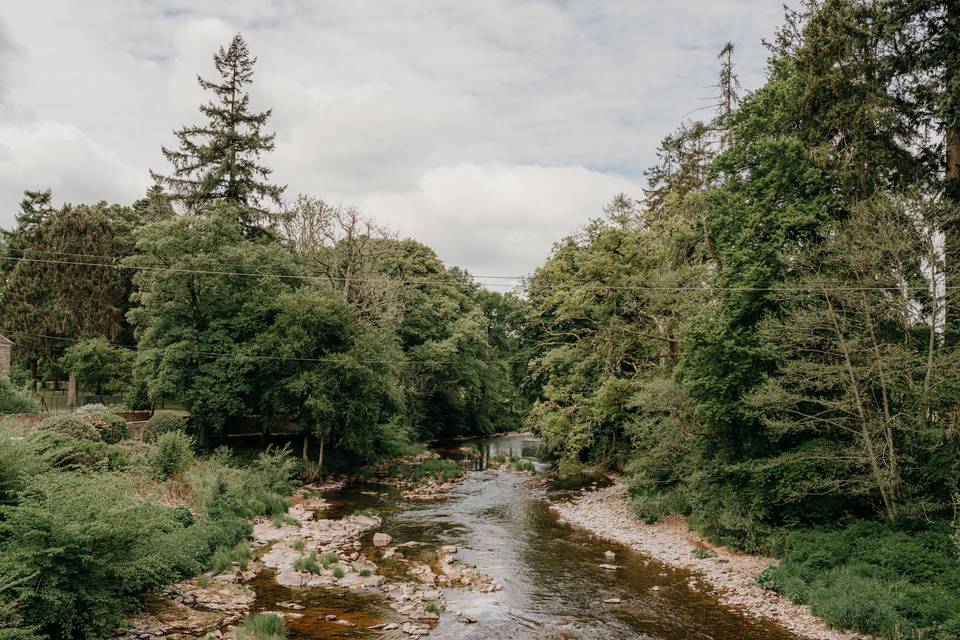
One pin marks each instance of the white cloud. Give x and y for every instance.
(499, 219)
(449, 112)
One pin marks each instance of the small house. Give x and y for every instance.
(5, 346)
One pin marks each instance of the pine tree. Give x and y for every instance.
(219, 160)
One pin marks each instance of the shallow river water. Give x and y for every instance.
(552, 584)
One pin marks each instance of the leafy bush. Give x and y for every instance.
(307, 563)
(112, 428)
(93, 408)
(97, 547)
(162, 423)
(12, 400)
(171, 455)
(261, 626)
(73, 426)
(440, 469)
(222, 560)
(872, 577)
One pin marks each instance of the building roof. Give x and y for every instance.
(4, 340)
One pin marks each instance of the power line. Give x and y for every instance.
(13, 332)
(524, 280)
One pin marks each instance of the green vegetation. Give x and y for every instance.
(337, 571)
(298, 544)
(432, 606)
(171, 455)
(890, 580)
(365, 572)
(307, 563)
(329, 558)
(12, 400)
(74, 426)
(112, 428)
(439, 469)
(162, 423)
(522, 465)
(703, 553)
(262, 626)
(94, 519)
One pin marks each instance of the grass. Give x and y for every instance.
(439, 469)
(367, 512)
(203, 582)
(280, 519)
(328, 559)
(298, 544)
(522, 465)
(703, 553)
(432, 606)
(222, 560)
(338, 571)
(896, 581)
(365, 572)
(261, 626)
(307, 563)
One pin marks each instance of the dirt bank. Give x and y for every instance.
(733, 575)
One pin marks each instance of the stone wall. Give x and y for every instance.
(4, 360)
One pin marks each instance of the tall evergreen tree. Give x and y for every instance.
(219, 160)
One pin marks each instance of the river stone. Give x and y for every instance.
(610, 555)
(381, 539)
(610, 567)
(612, 601)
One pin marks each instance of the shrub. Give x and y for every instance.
(171, 455)
(338, 571)
(112, 428)
(307, 563)
(703, 553)
(72, 426)
(441, 469)
(328, 559)
(432, 606)
(280, 519)
(262, 626)
(298, 544)
(162, 423)
(872, 577)
(222, 560)
(365, 572)
(98, 546)
(93, 408)
(12, 400)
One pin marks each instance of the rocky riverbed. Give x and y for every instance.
(730, 575)
(310, 552)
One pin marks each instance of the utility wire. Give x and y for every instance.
(399, 282)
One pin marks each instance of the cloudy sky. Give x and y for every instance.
(485, 128)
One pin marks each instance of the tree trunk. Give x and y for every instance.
(72, 391)
(33, 374)
(306, 446)
(952, 191)
(320, 457)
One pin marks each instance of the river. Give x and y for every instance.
(553, 586)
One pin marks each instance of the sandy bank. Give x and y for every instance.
(734, 575)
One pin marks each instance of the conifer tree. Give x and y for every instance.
(219, 160)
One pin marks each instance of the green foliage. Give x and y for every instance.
(112, 428)
(74, 426)
(297, 544)
(432, 606)
(307, 563)
(875, 578)
(98, 364)
(329, 558)
(438, 469)
(262, 626)
(171, 454)
(12, 400)
(703, 553)
(222, 560)
(338, 571)
(161, 423)
(365, 573)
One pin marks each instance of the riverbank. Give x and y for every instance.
(733, 575)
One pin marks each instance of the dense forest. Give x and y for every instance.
(765, 341)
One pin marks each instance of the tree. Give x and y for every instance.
(220, 159)
(203, 294)
(337, 380)
(98, 364)
(67, 285)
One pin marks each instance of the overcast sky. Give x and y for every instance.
(487, 129)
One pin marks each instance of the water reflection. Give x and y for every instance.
(552, 584)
